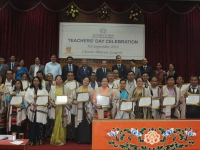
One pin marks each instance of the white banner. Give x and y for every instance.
(102, 41)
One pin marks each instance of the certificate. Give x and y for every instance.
(25, 84)
(71, 85)
(169, 101)
(82, 97)
(16, 100)
(61, 100)
(42, 100)
(184, 86)
(126, 106)
(155, 103)
(145, 101)
(103, 100)
(192, 99)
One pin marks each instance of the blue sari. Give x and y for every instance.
(20, 72)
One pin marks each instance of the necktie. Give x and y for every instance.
(12, 65)
(193, 90)
(119, 66)
(104, 71)
(70, 67)
(84, 70)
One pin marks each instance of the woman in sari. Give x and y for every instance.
(20, 70)
(16, 113)
(172, 72)
(4, 92)
(160, 74)
(37, 115)
(61, 113)
(103, 91)
(83, 120)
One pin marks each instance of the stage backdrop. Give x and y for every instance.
(101, 41)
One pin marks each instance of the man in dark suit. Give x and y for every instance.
(12, 64)
(3, 67)
(70, 67)
(146, 69)
(120, 67)
(102, 72)
(84, 71)
(136, 71)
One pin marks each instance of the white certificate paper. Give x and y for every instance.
(71, 85)
(61, 100)
(184, 86)
(126, 106)
(103, 100)
(192, 99)
(169, 101)
(155, 104)
(25, 84)
(83, 97)
(144, 101)
(16, 100)
(42, 100)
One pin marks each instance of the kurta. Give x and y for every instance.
(131, 86)
(156, 94)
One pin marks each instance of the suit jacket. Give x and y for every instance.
(16, 64)
(32, 70)
(100, 74)
(3, 69)
(148, 70)
(81, 74)
(65, 70)
(122, 71)
(137, 72)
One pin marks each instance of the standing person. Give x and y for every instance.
(138, 92)
(146, 83)
(53, 67)
(171, 90)
(83, 71)
(116, 76)
(93, 83)
(9, 81)
(103, 91)
(172, 71)
(69, 67)
(50, 82)
(160, 74)
(36, 114)
(146, 69)
(102, 72)
(20, 70)
(4, 92)
(83, 121)
(61, 113)
(179, 81)
(3, 67)
(35, 68)
(120, 67)
(111, 83)
(134, 69)
(12, 64)
(40, 74)
(25, 78)
(131, 83)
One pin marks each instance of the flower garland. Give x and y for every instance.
(135, 14)
(104, 12)
(72, 11)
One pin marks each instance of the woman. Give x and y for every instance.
(20, 70)
(36, 114)
(59, 113)
(25, 81)
(138, 92)
(159, 73)
(4, 92)
(172, 71)
(103, 91)
(17, 114)
(83, 121)
(171, 90)
(120, 94)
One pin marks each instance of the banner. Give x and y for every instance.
(101, 41)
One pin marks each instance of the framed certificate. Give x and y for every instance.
(184, 86)
(192, 99)
(82, 97)
(71, 85)
(103, 100)
(61, 100)
(155, 103)
(25, 84)
(169, 101)
(145, 102)
(16, 100)
(126, 106)
(42, 100)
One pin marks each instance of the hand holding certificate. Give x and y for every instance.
(169, 101)
(155, 103)
(103, 100)
(61, 100)
(145, 102)
(16, 100)
(192, 99)
(71, 85)
(83, 97)
(42, 100)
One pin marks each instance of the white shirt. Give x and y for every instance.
(133, 69)
(8, 84)
(195, 89)
(36, 69)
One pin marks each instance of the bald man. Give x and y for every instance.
(146, 69)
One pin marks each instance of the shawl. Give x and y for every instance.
(3, 103)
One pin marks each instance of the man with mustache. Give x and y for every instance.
(120, 67)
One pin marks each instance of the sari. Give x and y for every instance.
(20, 72)
(160, 76)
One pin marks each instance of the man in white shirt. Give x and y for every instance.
(9, 82)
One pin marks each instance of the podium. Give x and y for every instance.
(145, 134)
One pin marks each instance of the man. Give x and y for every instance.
(120, 67)
(84, 71)
(3, 67)
(12, 64)
(40, 74)
(131, 83)
(68, 68)
(102, 72)
(35, 68)
(111, 83)
(146, 69)
(93, 83)
(50, 82)
(116, 76)
(53, 67)
(145, 78)
(134, 69)
(9, 81)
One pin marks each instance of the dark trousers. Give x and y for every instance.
(71, 128)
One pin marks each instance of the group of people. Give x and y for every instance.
(73, 120)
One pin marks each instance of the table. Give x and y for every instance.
(5, 144)
(145, 134)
